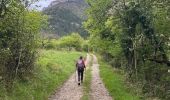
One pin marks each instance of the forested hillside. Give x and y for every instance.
(66, 17)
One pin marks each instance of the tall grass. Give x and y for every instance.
(114, 82)
(53, 69)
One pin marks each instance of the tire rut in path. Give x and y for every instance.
(98, 90)
(70, 90)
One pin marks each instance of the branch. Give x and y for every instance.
(160, 61)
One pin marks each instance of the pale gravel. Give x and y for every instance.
(70, 90)
(98, 90)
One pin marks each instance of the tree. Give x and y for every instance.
(134, 30)
(19, 33)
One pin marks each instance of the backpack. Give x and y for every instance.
(80, 65)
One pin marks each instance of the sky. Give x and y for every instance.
(41, 4)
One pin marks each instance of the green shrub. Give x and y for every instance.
(72, 41)
(50, 45)
(52, 70)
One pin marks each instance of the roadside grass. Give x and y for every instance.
(114, 82)
(52, 70)
(87, 83)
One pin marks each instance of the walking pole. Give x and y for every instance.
(84, 74)
(75, 72)
(85, 70)
(75, 76)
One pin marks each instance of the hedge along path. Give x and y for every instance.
(98, 90)
(70, 90)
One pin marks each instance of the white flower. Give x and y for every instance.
(168, 44)
(161, 35)
(168, 70)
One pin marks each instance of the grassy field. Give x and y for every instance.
(114, 82)
(53, 68)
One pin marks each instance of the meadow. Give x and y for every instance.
(52, 69)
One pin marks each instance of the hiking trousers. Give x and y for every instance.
(80, 75)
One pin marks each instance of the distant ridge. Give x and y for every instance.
(66, 16)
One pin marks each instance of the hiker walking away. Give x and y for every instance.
(80, 66)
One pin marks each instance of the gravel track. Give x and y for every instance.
(70, 90)
(98, 90)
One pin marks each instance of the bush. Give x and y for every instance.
(85, 46)
(18, 42)
(50, 45)
(73, 41)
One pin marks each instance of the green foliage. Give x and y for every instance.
(67, 43)
(66, 17)
(52, 70)
(114, 82)
(86, 46)
(51, 44)
(73, 41)
(134, 35)
(19, 33)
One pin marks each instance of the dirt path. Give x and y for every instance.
(98, 90)
(70, 90)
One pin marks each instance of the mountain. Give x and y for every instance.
(66, 16)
